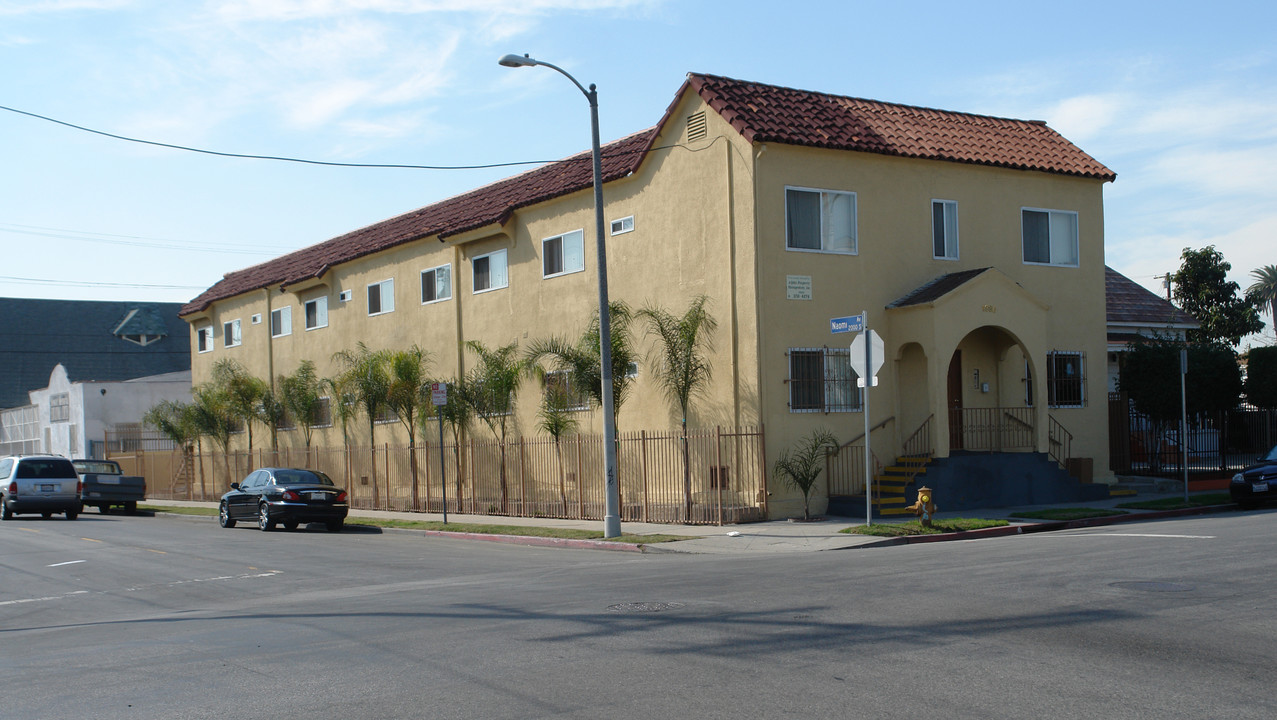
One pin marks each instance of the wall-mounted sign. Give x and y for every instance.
(797, 287)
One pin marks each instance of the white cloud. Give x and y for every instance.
(37, 7)
(250, 10)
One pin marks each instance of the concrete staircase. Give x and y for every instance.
(889, 486)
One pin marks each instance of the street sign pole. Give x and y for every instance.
(867, 379)
(1183, 418)
(439, 398)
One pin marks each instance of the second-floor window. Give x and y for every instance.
(381, 297)
(436, 284)
(490, 272)
(231, 335)
(204, 339)
(563, 254)
(820, 220)
(316, 313)
(281, 321)
(1050, 237)
(944, 229)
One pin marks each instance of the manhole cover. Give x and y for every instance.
(644, 607)
(1152, 586)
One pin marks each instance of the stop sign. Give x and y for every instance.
(875, 355)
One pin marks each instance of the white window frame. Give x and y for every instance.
(232, 333)
(256, 319)
(620, 226)
(1055, 221)
(504, 277)
(575, 398)
(60, 407)
(569, 262)
(345, 295)
(285, 315)
(948, 225)
(447, 275)
(204, 339)
(385, 297)
(837, 387)
(824, 197)
(321, 309)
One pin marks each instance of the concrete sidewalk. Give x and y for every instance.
(772, 536)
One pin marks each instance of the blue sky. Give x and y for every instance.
(1177, 98)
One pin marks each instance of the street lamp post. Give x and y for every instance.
(612, 516)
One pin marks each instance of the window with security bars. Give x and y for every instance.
(821, 380)
(1066, 379)
(60, 407)
(561, 393)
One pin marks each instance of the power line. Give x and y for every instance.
(86, 283)
(132, 240)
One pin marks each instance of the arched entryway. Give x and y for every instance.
(988, 393)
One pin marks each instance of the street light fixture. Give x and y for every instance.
(612, 517)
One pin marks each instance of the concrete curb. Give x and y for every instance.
(533, 540)
(1052, 526)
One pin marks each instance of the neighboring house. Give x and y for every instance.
(72, 418)
(93, 340)
(1134, 311)
(974, 243)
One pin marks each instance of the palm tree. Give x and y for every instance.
(273, 414)
(682, 366)
(244, 391)
(581, 360)
(800, 465)
(215, 417)
(176, 420)
(456, 415)
(366, 379)
(342, 402)
(405, 380)
(495, 382)
(557, 417)
(1264, 291)
(300, 394)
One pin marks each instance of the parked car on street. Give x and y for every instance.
(44, 484)
(1257, 483)
(287, 496)
(104, 485)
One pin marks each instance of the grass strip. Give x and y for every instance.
(914, 527)
(1178, 503)
(1070, 513)
(479, 528)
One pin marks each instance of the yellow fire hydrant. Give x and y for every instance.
(923, 507)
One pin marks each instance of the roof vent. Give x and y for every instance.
(697, 128)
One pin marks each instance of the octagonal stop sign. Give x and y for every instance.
(875, 357)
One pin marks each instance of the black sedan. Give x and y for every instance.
(287, 496)
(1257, 483)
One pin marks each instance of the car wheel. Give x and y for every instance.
(46, 516)
(335, 525)
(73, 514)
(104, 509)
(264, 521)
(5, 512)
(224, 516)
(130, 508)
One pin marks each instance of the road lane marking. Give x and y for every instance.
(1141, 535)
(91, 540)
(29, 530)
(68, 562)
(43, 599)
(175, 583)
(155, 551)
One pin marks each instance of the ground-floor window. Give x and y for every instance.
(821, 380)
(1066, 379)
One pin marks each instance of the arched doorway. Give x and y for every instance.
(988, 398)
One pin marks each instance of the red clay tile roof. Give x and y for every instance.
(1129, 302)
(484, 206)
(761, 113)
(767, 113)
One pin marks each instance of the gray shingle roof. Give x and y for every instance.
(84, 336)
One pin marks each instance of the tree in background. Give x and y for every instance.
(176, 421)
(215, 417)
(244, 392)
(682, 365)
(364, 377)
(1202, 289)
(495, 383)
(582, 360)
(456, 416)
(301, 394)
(1261, 377)
(557, 417)
(405, 382)
(1263, 292)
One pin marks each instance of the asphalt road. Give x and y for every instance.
(138, 617)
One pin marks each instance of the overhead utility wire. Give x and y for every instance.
(303, 161)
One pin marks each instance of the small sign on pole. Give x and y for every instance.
(439, 398)
(851, 323)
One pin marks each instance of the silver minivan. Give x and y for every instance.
(44, 484)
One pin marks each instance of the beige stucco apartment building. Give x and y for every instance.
(974, 244)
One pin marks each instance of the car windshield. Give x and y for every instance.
(301, 477)
(1272, 454)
